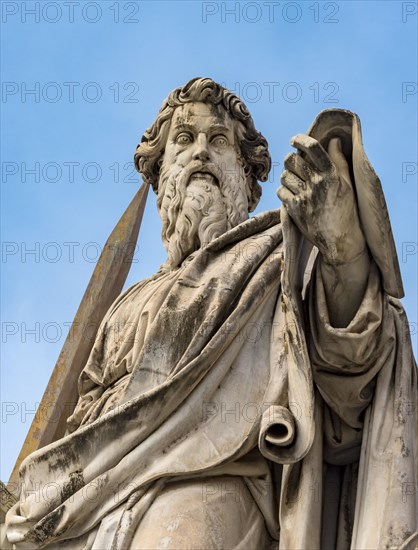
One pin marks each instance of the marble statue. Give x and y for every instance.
(259, 391)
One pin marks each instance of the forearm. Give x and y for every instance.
(344, 286)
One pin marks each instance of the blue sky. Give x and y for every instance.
(99, 71)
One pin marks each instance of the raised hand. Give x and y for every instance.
(318, 195)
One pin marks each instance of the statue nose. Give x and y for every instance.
(201, 148)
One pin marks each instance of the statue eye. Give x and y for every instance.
(220, 141)
(184, 138)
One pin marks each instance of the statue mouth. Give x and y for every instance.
(203, 176)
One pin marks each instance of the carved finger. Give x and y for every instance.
(292, 204)
(292, 182)
(285, 195)
(313, 150)
(336, 154)
(296, 164)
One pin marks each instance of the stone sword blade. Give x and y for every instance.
(106, 283)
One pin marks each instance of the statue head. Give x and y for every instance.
(203, 158)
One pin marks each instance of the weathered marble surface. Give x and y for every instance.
(7, 500)
(224, 404)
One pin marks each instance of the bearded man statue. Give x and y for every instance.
(259, 391)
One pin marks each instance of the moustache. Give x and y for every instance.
(200, 168)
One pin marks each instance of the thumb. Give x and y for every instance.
(337, 156)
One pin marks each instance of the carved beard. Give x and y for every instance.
(194, 212)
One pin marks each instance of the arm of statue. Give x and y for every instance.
(318, 195)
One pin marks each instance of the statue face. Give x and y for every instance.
(202, 186)
(200, 133)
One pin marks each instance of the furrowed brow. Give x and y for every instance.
(219, 128)
(184, 126)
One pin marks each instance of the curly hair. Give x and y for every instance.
(253, 146)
